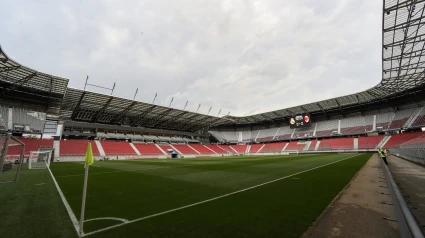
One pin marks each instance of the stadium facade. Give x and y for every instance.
(390, 114)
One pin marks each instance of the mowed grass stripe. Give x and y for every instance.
(285, 208)
(153, 191)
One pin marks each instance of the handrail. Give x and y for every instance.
(405, 219)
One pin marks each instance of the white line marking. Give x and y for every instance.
(68, 208)
(108, 218)
(212, 199)
(38, 184)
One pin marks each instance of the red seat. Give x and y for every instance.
(273, 147)
(255, 147)
(369, 142)
(185, 149)
(117, 148)
(398, 139)
(420, 121)
(76, 147)
(148, 149)
(30, 145)
(201, 149)
(217, 149)
(293, 145)
(337, 144)
(240, 148)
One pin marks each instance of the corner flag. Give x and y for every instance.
(88, 161)
(89, 156)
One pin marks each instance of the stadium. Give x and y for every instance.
(313, 170)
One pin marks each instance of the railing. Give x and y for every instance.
(414, 153)
(406, 222)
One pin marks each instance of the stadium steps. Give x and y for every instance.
(414, 116)
(261, 148)
(248, 148)
(175, 149)
(100, 148)
(210, 149)
(135, 149)
(56, 146)
(193, 149)
(356, 143)
(317, 145)
(383, 142)
(159, 147)
(275, 134)
(284, 148)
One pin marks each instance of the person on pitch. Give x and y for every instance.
(383, 155)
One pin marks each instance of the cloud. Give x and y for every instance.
(240, 56)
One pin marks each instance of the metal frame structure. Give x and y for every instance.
(22, 85)
(403, 69)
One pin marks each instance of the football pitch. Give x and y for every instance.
(246, 196)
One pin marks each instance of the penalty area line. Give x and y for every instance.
(214, 198)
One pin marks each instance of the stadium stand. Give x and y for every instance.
(254, 134)
(4, 112)
(117, 148)
(384, 119)
(273, 147)
(31, 121)
(398, 139)
(185, 149)
(369, 142)
(337, 144)
(239, 148)
(400, 118)
(166, 148)
(419, 140)
(284, 133)
(267, 134)
(255, 147)
(227, 149)
(304, 132)
(293, 145)
(246, 136)
(30, 145)
(217, 149)
(353, 125)
(325, 128)
(368, 122)
(312, 145)
(148, 149)
(201, 149)
(76, 147)
(420, 120)
(230, 136)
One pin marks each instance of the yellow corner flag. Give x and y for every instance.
(89, 156)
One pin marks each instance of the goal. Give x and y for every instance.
(39, 159)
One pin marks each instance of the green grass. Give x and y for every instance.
(135, 189)
(32, 208)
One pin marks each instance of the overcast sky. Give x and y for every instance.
(242, 56)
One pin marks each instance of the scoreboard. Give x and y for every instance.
(300, 121)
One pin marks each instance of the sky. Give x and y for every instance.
(240, 56)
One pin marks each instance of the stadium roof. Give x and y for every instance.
(403, 43)
(80, 105)
(29, 87)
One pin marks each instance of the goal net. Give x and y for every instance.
(39, 159)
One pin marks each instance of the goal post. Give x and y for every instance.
(12, 152)
(39, 159)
